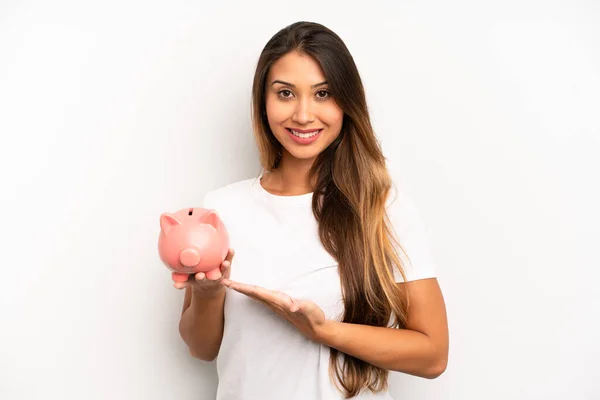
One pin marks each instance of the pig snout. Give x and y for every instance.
(189, 257)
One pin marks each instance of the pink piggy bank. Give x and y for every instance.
(192, 240)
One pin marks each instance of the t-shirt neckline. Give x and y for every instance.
(301, 199)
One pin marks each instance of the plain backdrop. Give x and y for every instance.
(113, 112)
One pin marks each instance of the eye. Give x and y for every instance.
(325, 94)
(285, 94)
(280, 93)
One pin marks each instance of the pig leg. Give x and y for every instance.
(179, 277)
(213, 273)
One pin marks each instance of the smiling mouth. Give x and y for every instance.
(302, 135)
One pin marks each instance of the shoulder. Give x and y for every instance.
(400, 206)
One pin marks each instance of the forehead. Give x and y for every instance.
(298, 69)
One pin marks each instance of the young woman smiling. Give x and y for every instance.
(333, 283)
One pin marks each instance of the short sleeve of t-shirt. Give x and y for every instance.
(415, 253)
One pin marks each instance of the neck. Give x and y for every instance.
(290, 178)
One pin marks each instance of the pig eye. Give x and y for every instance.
(191, 211)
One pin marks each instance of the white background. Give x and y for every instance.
(114, 112)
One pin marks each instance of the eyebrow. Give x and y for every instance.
(292, 85)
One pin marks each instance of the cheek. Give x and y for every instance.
(276, 113)
(333, 117)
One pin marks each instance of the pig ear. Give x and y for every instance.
(167, 222)
(212, 218)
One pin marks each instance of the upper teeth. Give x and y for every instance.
(304, 135)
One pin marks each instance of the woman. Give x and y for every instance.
(333, 285)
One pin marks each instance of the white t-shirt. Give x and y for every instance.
(262, 356)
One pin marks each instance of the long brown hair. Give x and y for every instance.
(352, 186)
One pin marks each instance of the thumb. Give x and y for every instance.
(226, 269)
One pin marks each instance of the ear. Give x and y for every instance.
(211, 217)
(167, 222)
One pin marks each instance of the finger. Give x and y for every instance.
(240, 287)
(281, 299)
(276, 298)
(230, 255)
(306, 308)
(181, 285)
(294, 306)
(226, 269)
(282, 307)
(226, 281)
(290, 304)
(225, 265)
(273, 306)
(200, 277)
(278, 302)
(214, 275)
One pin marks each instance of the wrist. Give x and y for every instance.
(207, 294)
(328, 332)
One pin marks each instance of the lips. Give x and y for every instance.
(304, 138)
(303, 130)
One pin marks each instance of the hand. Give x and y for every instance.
(205, 287)
(305, 315)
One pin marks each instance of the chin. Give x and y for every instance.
(304, 154)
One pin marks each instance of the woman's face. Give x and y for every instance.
(303, 116)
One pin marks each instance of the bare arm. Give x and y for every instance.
(421, 349)
(202, 317)
(201, 324)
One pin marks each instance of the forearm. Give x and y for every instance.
(399, 350)
(201, 325)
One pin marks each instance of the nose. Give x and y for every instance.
(303, 112)
(189, 257)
